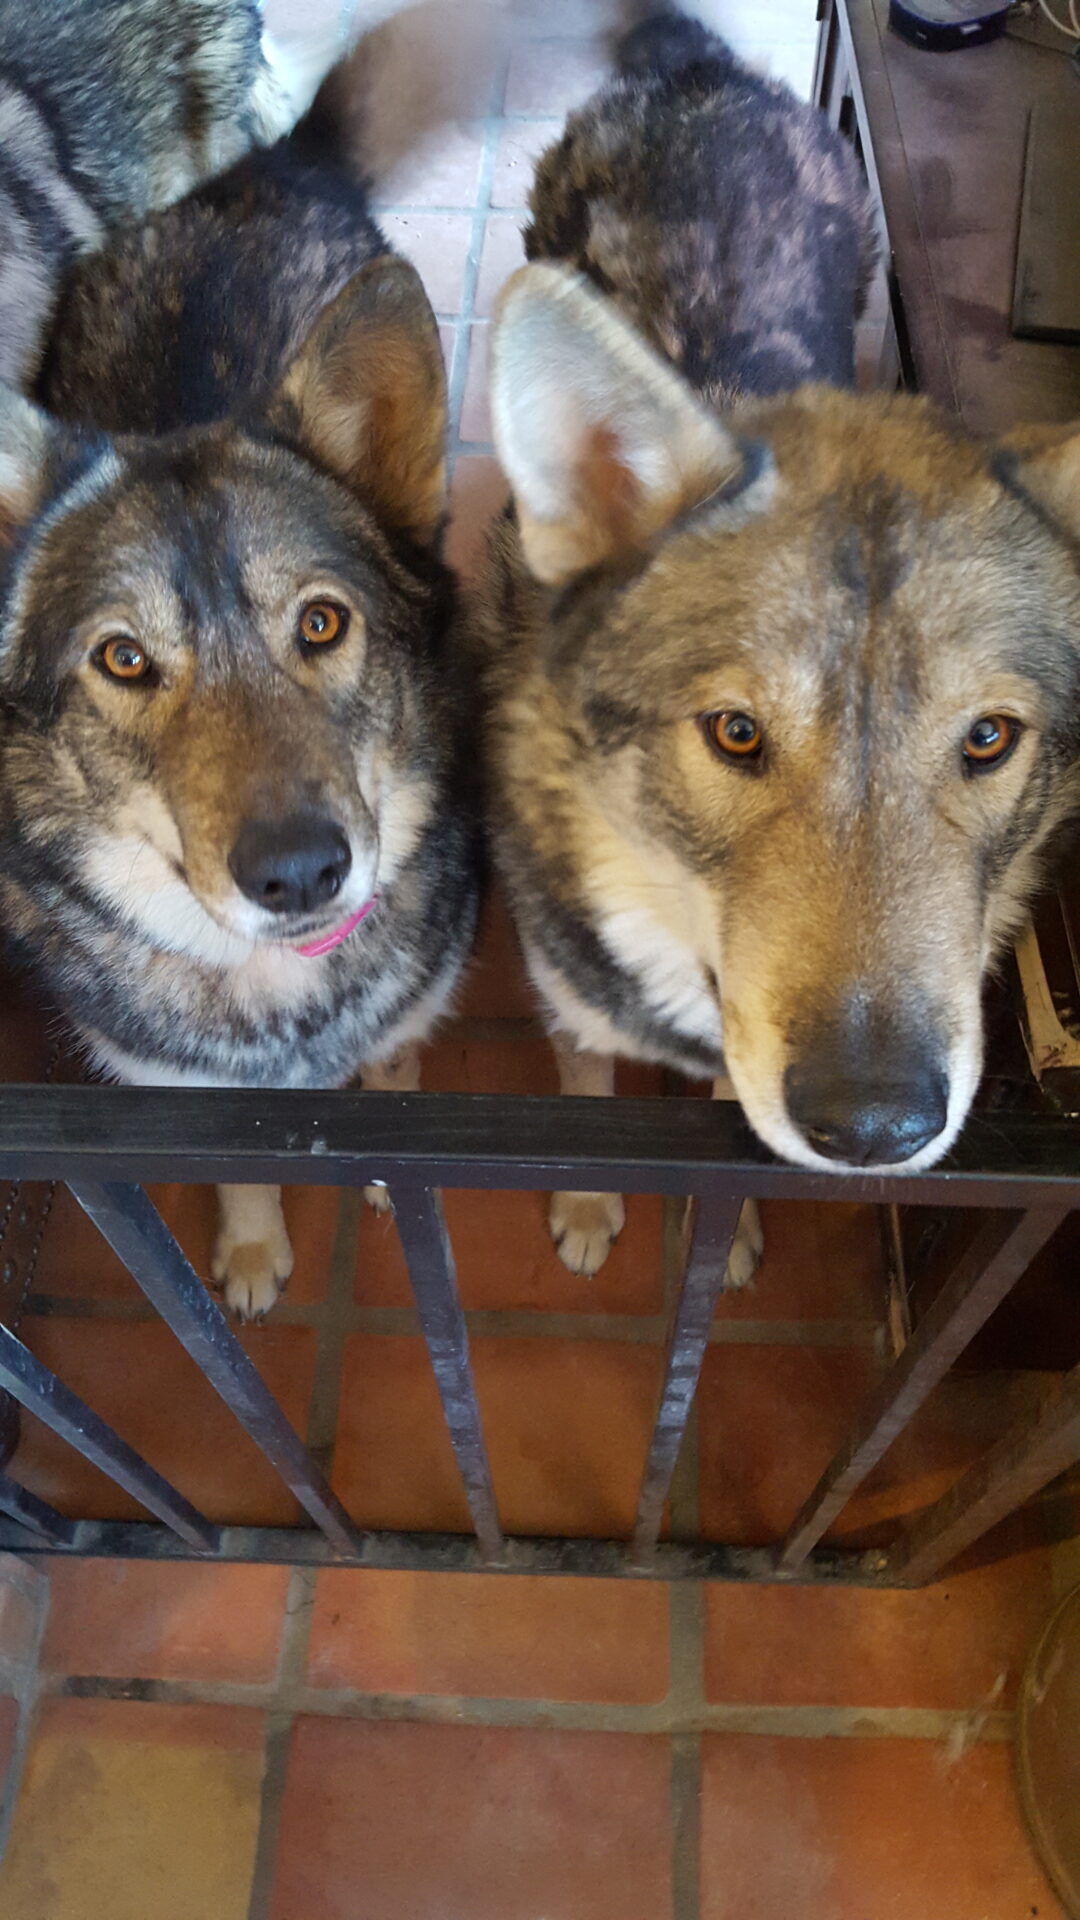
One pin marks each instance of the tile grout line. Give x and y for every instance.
(940, 1725)
(300, 1595)
(644, 1329)
(492, 129)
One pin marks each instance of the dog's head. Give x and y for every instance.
(823, 665)
(217, 647)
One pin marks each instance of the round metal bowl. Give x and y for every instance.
(1048, 1751)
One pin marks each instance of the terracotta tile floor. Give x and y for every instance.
(258, 1744)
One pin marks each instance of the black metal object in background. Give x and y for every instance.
(101, 1141)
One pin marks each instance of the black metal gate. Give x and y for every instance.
(102, 1141)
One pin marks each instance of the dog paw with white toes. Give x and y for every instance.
(378, 1197)
(746, 1248)
(252, 1272)
(584, 1226)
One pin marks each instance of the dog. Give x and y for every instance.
(782, 680)
(238, 840)
(110, 109)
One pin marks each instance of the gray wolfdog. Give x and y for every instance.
(236, 839)
(110, 109)
(783, 681)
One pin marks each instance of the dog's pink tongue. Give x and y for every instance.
(331, 940)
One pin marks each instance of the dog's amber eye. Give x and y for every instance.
(990, 740)
(734, 734)
(123, 659)
(322, 624)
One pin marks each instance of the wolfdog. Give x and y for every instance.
(112, 108)
(783, 680)
(236, 833)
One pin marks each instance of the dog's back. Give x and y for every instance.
(726, 219)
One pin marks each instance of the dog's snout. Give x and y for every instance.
(866, 1122)
(292, 865)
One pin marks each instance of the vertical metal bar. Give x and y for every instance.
(429, 1256)
(34, 1513)
(1000, 1253)
(133, 1227)
(40, 1392)
(716, 1218)
(1024, 1460)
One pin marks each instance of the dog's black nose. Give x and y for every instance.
(291, 865)
(866, 1122)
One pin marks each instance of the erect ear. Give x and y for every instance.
(1045, 462)
(367, 394)
(24, 457)
(603, 443)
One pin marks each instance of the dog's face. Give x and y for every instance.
(218, 642)
(827, 680)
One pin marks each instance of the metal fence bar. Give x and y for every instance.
(40, 1392)
(1022, 1462)
(133, 1227)
(36, 1514)
(981, 1279)
(716, 1216)
(429, 1256)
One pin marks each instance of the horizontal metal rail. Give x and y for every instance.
(493, 1140)
(381, 1551)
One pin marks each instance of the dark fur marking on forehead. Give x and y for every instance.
(872, 556)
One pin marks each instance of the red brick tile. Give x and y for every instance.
(76, 1263)
(960, 1422)
(770, 1419)
(503, 253)
(553, 77)
(438, 171)
(520, 146)
(9, 1727)
(468, 1634)
(845, 1829)
(478, 491)
(138, 1377)
(438, 246)
(475, 410)
(821, 1262)
(944, 1646)
(159, 1622)
(416, 1822)
(129, 1810)
(496, 985)
(567, 1423)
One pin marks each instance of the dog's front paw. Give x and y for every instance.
(253, 1272)
(583, 1227)
(746, 1248)
(378, 1197)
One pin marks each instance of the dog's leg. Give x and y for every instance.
(749, 1242)
(584, 1225)
(399, 1074)
(252, 1254)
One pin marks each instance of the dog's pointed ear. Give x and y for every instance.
(25, 443)
(1045, 462)
(366, 396)
(603, 443)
